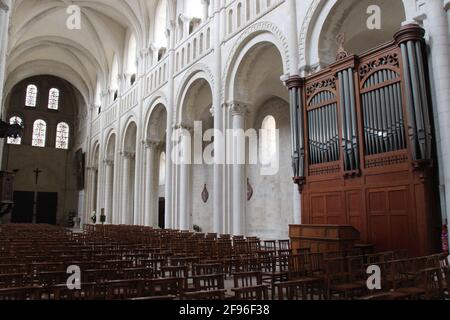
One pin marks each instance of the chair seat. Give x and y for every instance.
(412, 290)
(346, 287)
(299, 281)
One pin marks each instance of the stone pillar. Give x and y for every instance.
(150, 191)
(127, 196)
(438, 30)
(186, 23)
(293, 83)
(184, 166)
(205, 10)
(169, 186)
(219, 148)
(238, 113)
(109, 188)
(95, 187)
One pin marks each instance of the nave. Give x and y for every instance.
(40, 262)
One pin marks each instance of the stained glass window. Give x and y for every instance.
(39, 133)
(18, 140)
(31, 96)
(62, 136)
(53, 99)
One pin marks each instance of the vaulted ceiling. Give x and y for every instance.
(41, 43)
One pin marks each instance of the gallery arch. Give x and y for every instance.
(194, 120)
(128, 154)
(154, 144)
(260, 102)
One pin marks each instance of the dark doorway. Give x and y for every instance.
(23, 207)
(46, 208)
(162, 213)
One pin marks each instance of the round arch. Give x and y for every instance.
(259, 33)
(196, 73)
(325, 19)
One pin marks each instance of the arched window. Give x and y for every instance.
(53, 99)
(194, 8)
(114, 81)
(62, 136)
(39, 133)
(98, 97)
(18, 140)
(268, 140)
(31, 96)
(132, 55)
(162, 169)
(161, 25)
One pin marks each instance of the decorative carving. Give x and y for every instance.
(249, 190)
(390, 59)
(386, 161)
(341, 53)
(205, 194)
(322, 170)
(328, 83)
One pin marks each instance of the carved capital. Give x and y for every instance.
(409, 32)
(238, 108)
(4, 6)
(108, 162)
(294, 82)
(128, 155)
(152, 144)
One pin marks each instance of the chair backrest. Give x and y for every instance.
(247, 279)
(257, 293)
(209, 282)
(204, 295)
(208, 268)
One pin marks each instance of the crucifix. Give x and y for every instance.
(37, 172)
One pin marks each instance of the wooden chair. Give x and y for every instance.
(18, 294)
(339, 282)
(164, 287)
(256, 293)
(303, 282)
(204, 295)
(209, 282)
(158, 298)
(207, 269)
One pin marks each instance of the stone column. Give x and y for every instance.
(150, 191)
(205, 10)
(238, 113)
(95, 187)
(184, 166)
(438, 30)
(109, 187)
(219, 148)
(126, 187)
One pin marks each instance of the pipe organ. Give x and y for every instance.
(362, 145)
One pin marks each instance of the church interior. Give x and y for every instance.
(224, 150)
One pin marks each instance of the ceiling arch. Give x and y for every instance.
(41, 42)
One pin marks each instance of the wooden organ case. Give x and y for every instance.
(363, 149)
